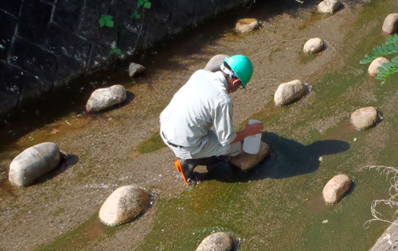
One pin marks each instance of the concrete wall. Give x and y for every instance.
(46, 43)
(388, 240)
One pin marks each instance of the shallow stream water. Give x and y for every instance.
(276, 206)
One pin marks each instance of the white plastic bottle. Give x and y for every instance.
(251, 144)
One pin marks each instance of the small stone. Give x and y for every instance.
(245, 161)
(135, 69)
(219, 241)
(123, 205)
(328, 6)
(247, 24)
(215, 62)
(336, 188)
(290, 91)
(390, 24)
(373, 69)
(34, 162)
(313, 45)
(106, 97)
(364, 118)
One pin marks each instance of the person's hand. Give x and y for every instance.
(255, 128)
(250, 129)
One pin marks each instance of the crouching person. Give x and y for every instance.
(197, 124)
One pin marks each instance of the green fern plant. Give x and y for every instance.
(389, 47)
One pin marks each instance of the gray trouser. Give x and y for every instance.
(210, 149)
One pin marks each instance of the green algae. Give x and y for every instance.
(153, 143)
(182, 222)
(86, 234)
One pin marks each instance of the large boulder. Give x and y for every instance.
(328, 6)
(219, 241)
(247, 24)
(390, 25)
(335, 189)
(313, 45)
(106, 97)
(364, 118)
(34, 162)
(123, 205)
(215, 62)
(373, 69)
(245, 161)
(290, 91)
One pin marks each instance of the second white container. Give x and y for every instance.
(251, 144)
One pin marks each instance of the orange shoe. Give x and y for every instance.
(179, 168)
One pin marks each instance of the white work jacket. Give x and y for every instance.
(202, 103)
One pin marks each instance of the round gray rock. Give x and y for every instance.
(135, 69)
(34, 162)
(123, 205)
(364, 118)
(390, 24)
(215, 62)
(106, 97)
(290, 91)
(373, 69)
(247, 24)
(336, 188)
(328, 6)
(245, 161)
(313, 45)
(219, 241)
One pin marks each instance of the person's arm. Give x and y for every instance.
(225, 129)
(251, 129)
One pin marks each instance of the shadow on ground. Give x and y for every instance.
(289, 158)
(68, 161)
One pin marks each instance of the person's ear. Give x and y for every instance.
(236, 82)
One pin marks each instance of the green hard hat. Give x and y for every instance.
(242, 67)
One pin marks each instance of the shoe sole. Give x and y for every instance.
(179, 168)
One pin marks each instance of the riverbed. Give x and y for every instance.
(276, 206)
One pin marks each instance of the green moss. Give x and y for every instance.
(153, 143)
(90, 231)
(183, 222)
